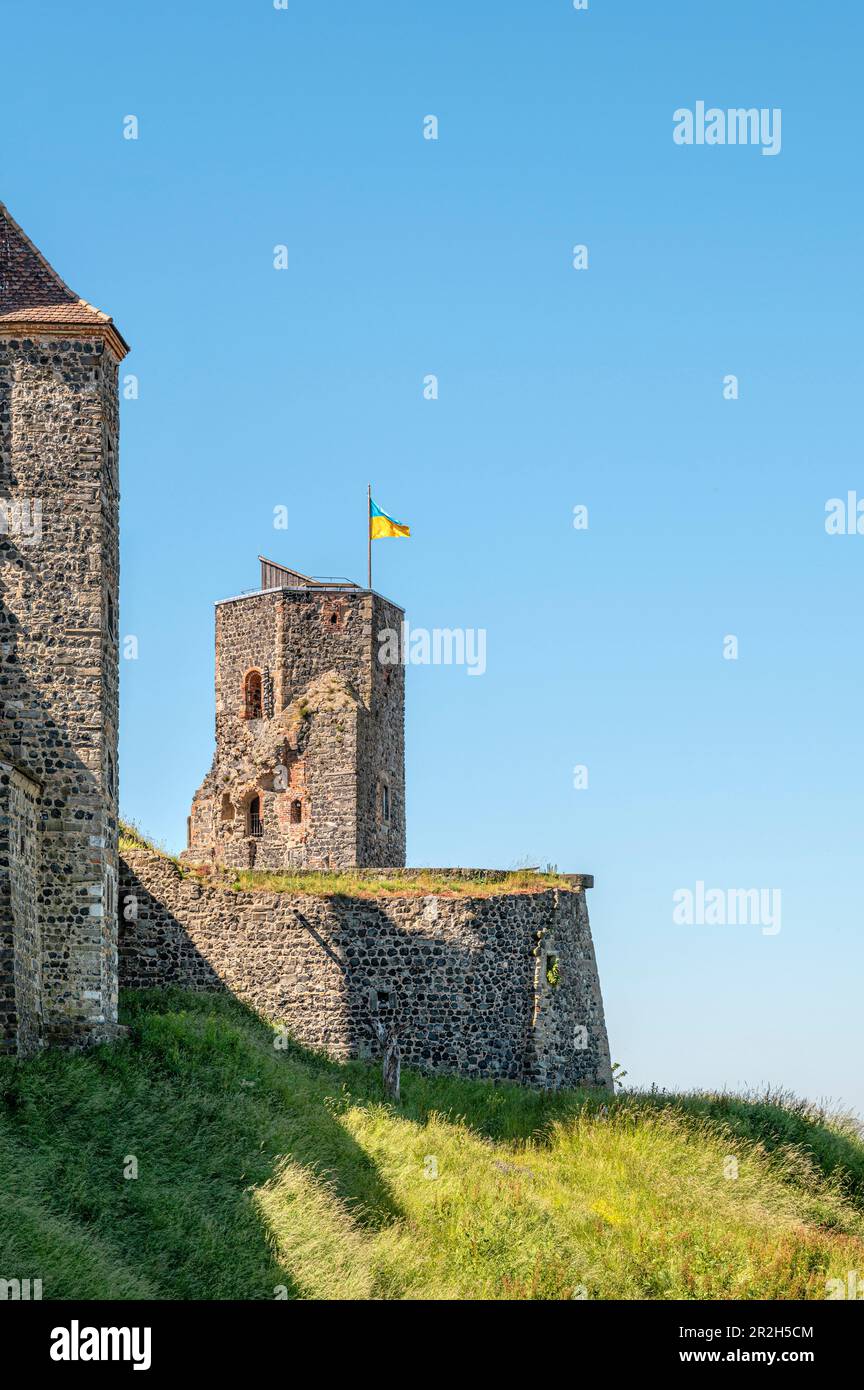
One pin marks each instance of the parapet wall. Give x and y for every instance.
(463, 978)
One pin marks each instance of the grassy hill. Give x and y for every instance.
(263, 1169)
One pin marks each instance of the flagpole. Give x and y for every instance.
(369, 529)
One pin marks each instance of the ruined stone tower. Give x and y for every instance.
(309, 768)
(59, 519)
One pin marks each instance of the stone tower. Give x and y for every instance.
(309, 768)
(59, 521)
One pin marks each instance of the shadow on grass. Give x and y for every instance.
(153, 1150)
(133, 1171)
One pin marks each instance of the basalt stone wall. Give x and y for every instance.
(381, 747)
(467, 981)
(59, 667)
(313, 775)
(20, 947)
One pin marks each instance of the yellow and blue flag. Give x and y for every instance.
(380, 524)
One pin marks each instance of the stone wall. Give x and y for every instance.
(59, 669)
(381, 747)
(20, 944)
(319, 761)
(464, 979)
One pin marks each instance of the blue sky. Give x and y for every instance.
(557, 387)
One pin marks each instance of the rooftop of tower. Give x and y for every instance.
(33, 298)
(276, 576)
(277, 579)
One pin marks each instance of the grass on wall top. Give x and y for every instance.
(420, 883)
(355, 883)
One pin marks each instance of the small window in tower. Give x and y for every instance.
(296, 812)
(334, 619)
(385, 803)
(252, 695)
(256, 825)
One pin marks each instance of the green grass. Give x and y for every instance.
(355, 883)
(417, 884)
(264, 1170)
(132, 837)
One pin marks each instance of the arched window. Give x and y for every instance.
(296, 812)
(256, 825)
(252, 695)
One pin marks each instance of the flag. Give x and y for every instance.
(380, 524)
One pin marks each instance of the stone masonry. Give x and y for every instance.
(308, 773)
(20, 944)
(309, 768)
(59, 522)
(503, 987)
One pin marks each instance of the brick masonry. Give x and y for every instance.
(463, 979)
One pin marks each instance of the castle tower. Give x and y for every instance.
(59, 521)
(309, 768)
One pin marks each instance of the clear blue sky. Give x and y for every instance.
(557, 387)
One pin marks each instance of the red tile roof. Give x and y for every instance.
(33, 297)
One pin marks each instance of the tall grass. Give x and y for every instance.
(266, 1172)
(354, 883)
(132, 837)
